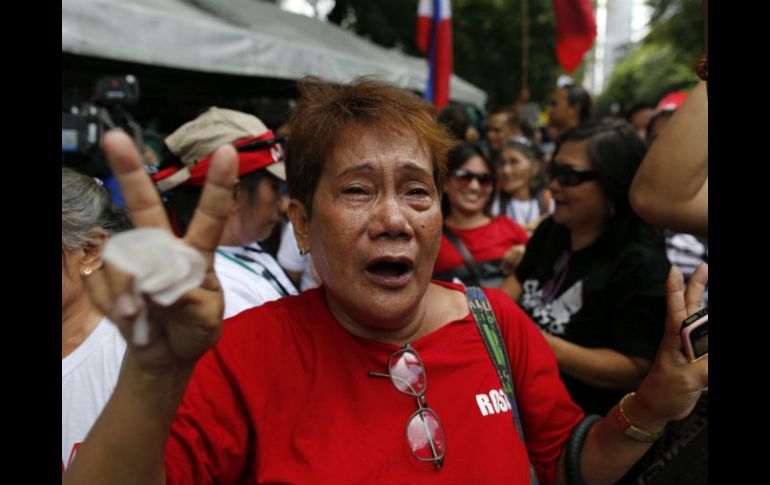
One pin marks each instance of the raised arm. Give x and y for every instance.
(670, 188)
(126, 444)
(668, 393)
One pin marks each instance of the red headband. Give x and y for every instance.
(247, 161)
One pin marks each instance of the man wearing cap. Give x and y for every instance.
(249, 276)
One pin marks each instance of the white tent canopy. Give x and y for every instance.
(238, 37)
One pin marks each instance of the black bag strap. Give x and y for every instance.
(493, 340)
(467, 256)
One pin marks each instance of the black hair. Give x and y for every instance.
(182, 200)
(456, 120)
(634, 108)
(615, 152)
(578, 96)
(456, 157)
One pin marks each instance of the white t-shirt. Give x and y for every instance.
(521, 211)
(88, 377)
(289, 257)
(249, 276)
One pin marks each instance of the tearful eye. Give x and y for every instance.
(385, 268)
(418, 192)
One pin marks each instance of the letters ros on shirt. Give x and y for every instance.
(493, 402)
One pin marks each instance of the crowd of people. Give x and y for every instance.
(338, 266)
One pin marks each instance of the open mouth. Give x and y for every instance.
(388, 269)
(390, 273)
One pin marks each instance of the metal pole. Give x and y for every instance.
(524, 43)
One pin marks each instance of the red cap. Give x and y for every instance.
(671, 101)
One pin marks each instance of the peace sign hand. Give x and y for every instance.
(181, 332)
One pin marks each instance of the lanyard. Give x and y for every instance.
(266, 274)
(560, 268)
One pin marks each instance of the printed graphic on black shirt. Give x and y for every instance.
(552, 317)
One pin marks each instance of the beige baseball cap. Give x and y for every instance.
(195, 141)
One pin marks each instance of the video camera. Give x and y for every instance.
(83, 126)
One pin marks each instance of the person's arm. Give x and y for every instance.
(670, 188)
(512, 287)
(512, 258)
(127, 442)
(668, 393)
(602, 368)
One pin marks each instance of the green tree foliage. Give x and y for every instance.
(486, 35)
(665, 59)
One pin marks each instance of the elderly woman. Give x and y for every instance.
(293, 391)
(91, 346)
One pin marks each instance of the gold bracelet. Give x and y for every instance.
(631, 430)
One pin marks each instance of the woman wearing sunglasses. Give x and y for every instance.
(467, 221)
(594, 273)
(377, 376)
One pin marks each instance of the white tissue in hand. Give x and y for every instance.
(163, 266)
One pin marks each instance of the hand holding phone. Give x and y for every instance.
(695, 337)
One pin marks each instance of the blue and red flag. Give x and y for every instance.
(575, 31)
(434, 38)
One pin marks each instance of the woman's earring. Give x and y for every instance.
(87, 271)
(303, 251)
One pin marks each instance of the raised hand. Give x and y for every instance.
(183, 331)
(674, 384)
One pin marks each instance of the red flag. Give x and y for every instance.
(434, 38)
(575, 31)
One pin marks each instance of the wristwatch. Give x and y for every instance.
(631, 430)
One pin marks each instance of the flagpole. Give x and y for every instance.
(524, 44)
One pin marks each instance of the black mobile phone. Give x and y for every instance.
(695, 335)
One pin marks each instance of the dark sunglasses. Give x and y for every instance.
(569, 176)
(465, 177)
(260, 144)
(424, 432)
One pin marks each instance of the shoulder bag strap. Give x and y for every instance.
(467, 257)
(493, 340)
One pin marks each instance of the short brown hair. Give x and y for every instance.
(326, 112)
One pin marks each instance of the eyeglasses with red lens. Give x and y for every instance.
(424, 432)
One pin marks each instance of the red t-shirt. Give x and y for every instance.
(285, 397)
(485, 243)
